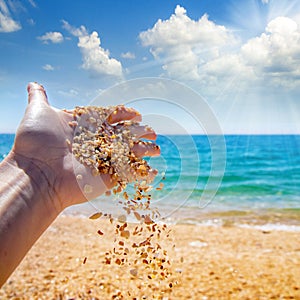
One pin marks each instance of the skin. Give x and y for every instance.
(38, 177)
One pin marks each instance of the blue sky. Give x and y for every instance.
(242, 57)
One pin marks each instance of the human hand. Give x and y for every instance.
(42, 143)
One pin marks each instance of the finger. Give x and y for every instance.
(145, 132)
(122, 113)
(141, 149)
(138, 131)
(36, 93)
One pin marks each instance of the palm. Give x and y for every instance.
(43, 138)
(43, 142)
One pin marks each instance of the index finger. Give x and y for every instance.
(122, 113)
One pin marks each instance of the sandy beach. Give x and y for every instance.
(208, 263)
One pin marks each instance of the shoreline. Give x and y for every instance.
(209, 262)
(285, 219)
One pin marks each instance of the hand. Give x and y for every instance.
(42, 142)
(37, 178)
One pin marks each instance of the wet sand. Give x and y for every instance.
(209, 262)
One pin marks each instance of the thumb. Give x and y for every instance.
(36, 93)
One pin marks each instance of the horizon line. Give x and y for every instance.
(205, 134)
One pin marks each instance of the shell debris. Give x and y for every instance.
(107, 149)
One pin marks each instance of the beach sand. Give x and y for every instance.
(209, 263)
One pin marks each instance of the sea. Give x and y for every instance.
(243, 180)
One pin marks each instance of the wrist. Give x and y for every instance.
(28, 205)
(32, 180)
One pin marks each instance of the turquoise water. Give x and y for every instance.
(6, 142)
(262, 173)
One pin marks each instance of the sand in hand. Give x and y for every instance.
(107, 146)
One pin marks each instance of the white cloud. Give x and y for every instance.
(81, 31)
(209, 54)
(296, 18)
(16, 6)
(69, 93)
(7, 24)
(181, 29)
(3, 7)
(275, 54)
(128, 55)
(96, 59)
(53, 36)
(265, 1)
(33, 4)
(31, 22)
(184, 44)
(48, 67)
(228, 66)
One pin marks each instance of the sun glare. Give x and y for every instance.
(252, 16)
(283, 8)
(249, 16)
